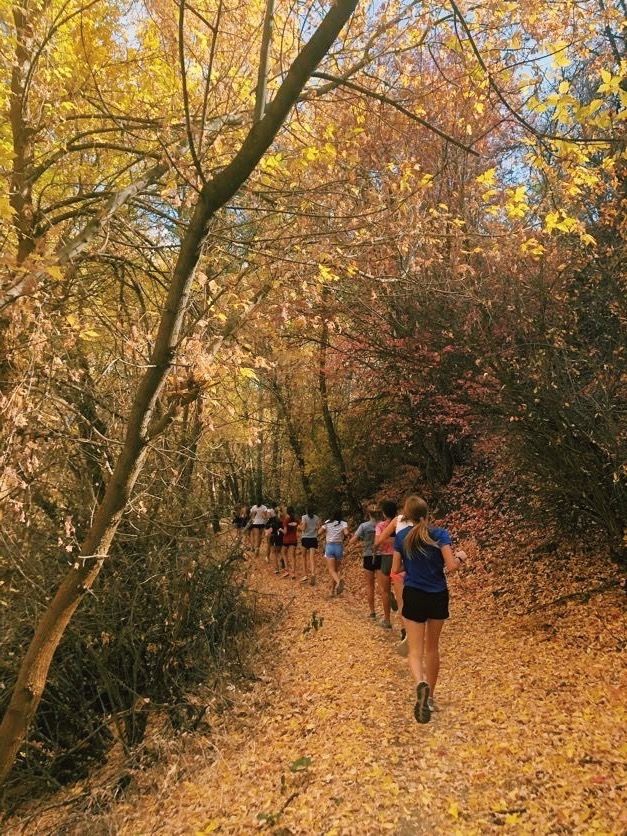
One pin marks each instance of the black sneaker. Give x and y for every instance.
(422, 711)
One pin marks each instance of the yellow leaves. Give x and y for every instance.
(310, 153)
(55, 272)
(516, 205)
(247, 373)
(532, 247)
(561, 222)
(272, 163)
(426, 180)
(453, 810)
(558, 220)
(610, 83)
(210, 827)
(559, 54)
(325, 274)
(488, 178)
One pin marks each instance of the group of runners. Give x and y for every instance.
(405, 559)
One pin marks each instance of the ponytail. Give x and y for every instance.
(416, 511)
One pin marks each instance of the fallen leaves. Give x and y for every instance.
(528, 738)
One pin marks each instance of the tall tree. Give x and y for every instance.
(143, 424)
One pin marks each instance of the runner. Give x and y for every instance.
(425, 552)
(290, 539)
(271, 514)
(365, 532)
(398, 523)
(384, 551)
(240, 518)
(309, 524)
(335, 530)
(258, 517)
(275, 539)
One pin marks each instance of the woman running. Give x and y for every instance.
(240, 518)
(276, 539)
(309, 524)
(383, 556)
(425, 552)
(335, 530)
(290, 540)
(258, 517)
(271, 514)
(371, 563)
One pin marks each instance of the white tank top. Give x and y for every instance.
(401, 523)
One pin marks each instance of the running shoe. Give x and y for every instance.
(304, 580)
(422, 712)
(386, 624)
(372, 616)
(312, 580)
(432, 705)
(402, 648)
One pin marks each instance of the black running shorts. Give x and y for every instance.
(420, 606)
(372, 563)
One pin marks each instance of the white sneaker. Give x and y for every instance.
(402, 648)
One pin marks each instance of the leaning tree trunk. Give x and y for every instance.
(142, 426)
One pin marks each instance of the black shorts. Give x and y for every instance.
(420, 606)
(372, 563)
(257, 525)
(276, 539)
(386, 563)
(309, 542)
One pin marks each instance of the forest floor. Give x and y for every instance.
(529, 737)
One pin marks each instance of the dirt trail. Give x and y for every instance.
(528, 736)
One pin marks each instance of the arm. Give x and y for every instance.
(396, 563)
(451, 561)
(356, 536)
(388, 531)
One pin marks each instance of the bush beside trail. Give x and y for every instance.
(158, 624)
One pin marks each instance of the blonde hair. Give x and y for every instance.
(416, 511)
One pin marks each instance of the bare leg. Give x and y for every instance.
(291, 561)
(302, 556)
(311, 560)
(257, 540)
(369, 582)
(416, 640)
(432, 652)
(331, 569)
(383, 582)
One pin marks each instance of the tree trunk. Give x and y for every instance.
(334, 441)
(141, 428)
(294, 440)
